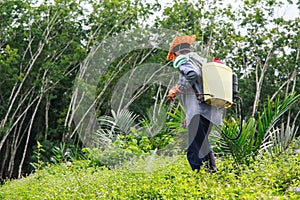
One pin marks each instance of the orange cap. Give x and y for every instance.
(188, 39)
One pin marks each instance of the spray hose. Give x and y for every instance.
(241, 114)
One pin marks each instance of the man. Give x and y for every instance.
(199, 116)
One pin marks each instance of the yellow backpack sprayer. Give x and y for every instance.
(217, 81)
(220, 88)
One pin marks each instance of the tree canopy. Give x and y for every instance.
(44, 46)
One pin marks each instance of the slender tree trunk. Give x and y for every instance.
(41, 96)
(17, 99)
(18, 136)
(47, 107)
(259, 81)
(3, 162)
(13, 151)
(41, 46)
(28, 136)
(73, 106)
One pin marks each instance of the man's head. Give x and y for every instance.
(180, 45)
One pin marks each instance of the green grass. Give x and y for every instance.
(160, 178)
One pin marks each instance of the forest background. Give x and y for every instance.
(46, 48)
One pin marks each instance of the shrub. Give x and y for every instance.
(160, 177)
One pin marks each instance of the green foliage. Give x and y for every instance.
(65, 152)
(42, 47)
(157, 177)
(47, 152)
(273, 113)
(243, 148)
(247, 37)
(139, 142)
(110, 157)
(256, 135)
(9, 59)
(176, 120)
(118, 123)
(39, 163)
(134, 142)
(124, 132)
(281, 138)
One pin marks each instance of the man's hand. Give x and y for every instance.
(184, 123)
(173, 92)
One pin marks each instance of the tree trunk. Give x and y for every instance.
(259, 81)
(3, 162)
(28, 136)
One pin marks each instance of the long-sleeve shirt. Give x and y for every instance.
(190, 79)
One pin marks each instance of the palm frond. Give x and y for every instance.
(125, 119)
(154, 123)
(176, 119)
(268, 120)
(259, 135)
(118, 123)
(281, 138)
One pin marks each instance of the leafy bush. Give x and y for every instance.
(156, 177)
(109, 157)
(148, 134)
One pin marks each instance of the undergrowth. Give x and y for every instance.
(161, 177)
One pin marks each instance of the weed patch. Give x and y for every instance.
(162, 178)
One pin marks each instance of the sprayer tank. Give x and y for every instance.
(217, 84)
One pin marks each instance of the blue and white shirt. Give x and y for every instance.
(191, 76)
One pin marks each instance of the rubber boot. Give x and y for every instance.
(212, 163)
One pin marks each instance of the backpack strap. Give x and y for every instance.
(193, 58)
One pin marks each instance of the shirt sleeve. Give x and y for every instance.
(189, 71)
